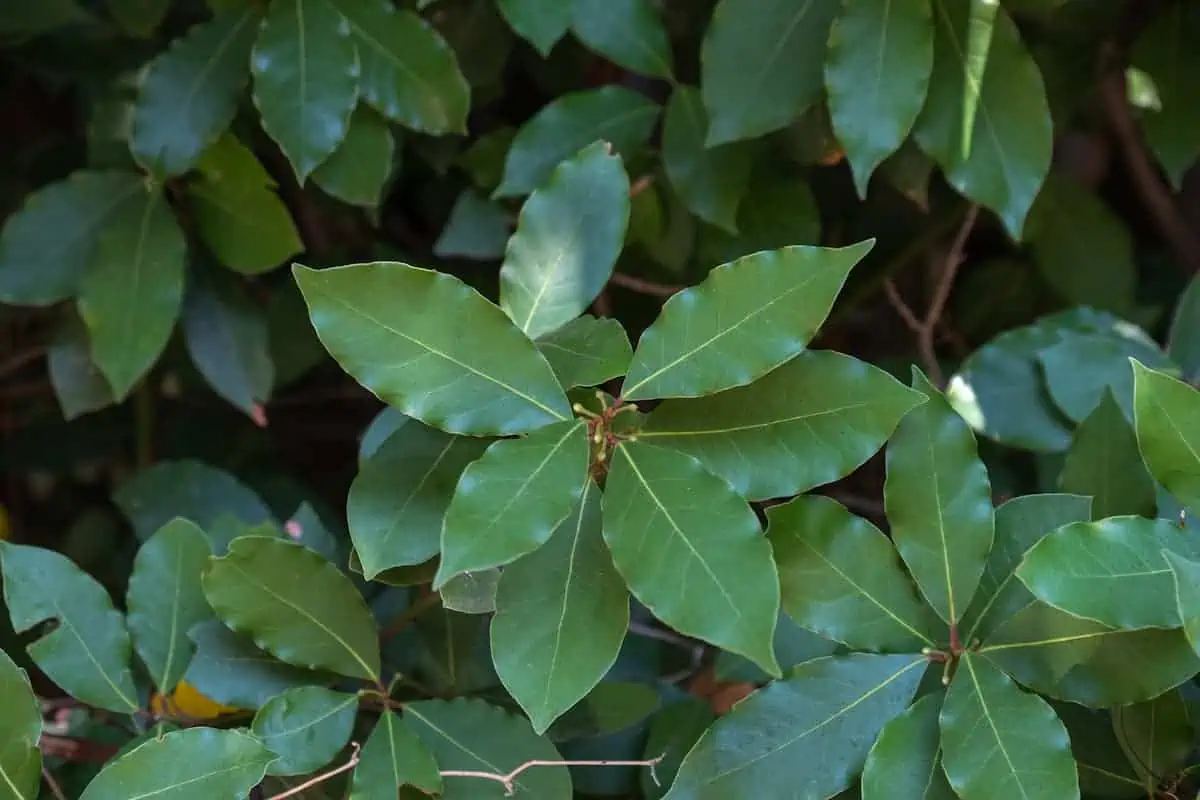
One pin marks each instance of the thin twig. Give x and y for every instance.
(324, 776)
(508, 780)
(52, 784)
(643, 286)
(21, 359)
(640, 185)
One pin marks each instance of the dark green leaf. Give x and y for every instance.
(393, 757)
(1166, 51)
(1185, 577)
(305, 727)
(1156, 735)
(1183, 343)
(19, 21)
(139, 17)
(229, 669)
(1104, 771)
(1166, 410)
(78, 384)
(1080, 368)
(705, 569)
(793, 645)
(20, 730)
(361, 165)
(587, 351)
(1104, 463)
(629, 33)
(540, 22)
(779, 210)
(295, 605)
(480, 377)
(477, 228)
(906, 760)
(610, 707)
(673, 732)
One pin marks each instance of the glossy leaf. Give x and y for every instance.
(87, 654)
(192, 764)
(761, 65)
(480, 377)
(704, 569)
(805, 736)
(587, 351)
(229, 669)
(629, 33)
(399, 497)
(561, 615)
(1104, 463)
(477, 228)
(779, 210)
(1000, 742)
(306, 72)
(568, 237)
(1185, 578)
(876, 75)
(78, 383)
(807, 423)
(939, 503)
(305, 727)
(1183, 342)
(509, 502)
(1156, 736)
(1166, 410)
(20, 730)
(359, 168)
(393, 757)
(673, 732)
(295, 605)
(906, 759)
(190, 92)
(840, 576)
(165, 600)
(746, 318)
(471, 592)
(1077, 390)
(611, 707)
(540, 22)
(1164, 51)
(622, 117)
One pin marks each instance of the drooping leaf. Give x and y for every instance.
(305, 727)
(745, 319)
(306, 70)
(20, 730)
(190, 92)
(939, 502)
(906, 759)
(1077, 389)
(807, 423)
(778, 210)
(1183, 342)
(399, 497)
(1185, 577)
(673, 732)
(78, 383)
(87, 654)
(295, 605)
(1000, 742)
(229, 669)
(165, 600)
(1156, 735)
(478, 228)
(622, 117)
(540, 22)
(1165, 51)
(1104, 463)
(393, 757)
(705, 569)
(761, 64)
(1104, 770)
(359, 168)
(509, 502)
(610, 707)
(561, 615)
(587, 351)
(793, 645)
(805, 736)
(626, 32)
(1166, 410)
(480, 376)
(840, 576)
(568, 237)
(876, 75)
(192, 764)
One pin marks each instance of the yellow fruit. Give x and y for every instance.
(189, 702)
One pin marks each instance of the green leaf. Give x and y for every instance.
(305, 727)
(876, 75)
(87, 653)
(711, 181)
(1165, 50)
(1105, 464)
(1185, 577)
(192, 764)
(779, 210)
(509, 502)
(805, 736)
(477, 228)
(540, 22)
(1012, 136)
(78, 384)
(568, 237)
(467, 734)
(139, 17)
(587, 351)
(1084, 662)
(1020, 524)
(673, 732)
(981, 27)
(165, 600)
(1104, 770)
(610, 707)
(20, 730)
(793, 645)
(1166, 410)
(399, 497)
(393, 757)
(471, 592)
(939, 502)
(622, 117)
(840, 577)
(480, 377)
(1183, 342)
(47, 244)
(761, 64)
(705, 569)
(1156, 736)
(24, 21)
(561, 615)
(408, 72)
(906, 759)
(629, 33)
(361, 165)
(810, 422)
(295, 605)
(190, 92)
(228, 669)
(1000, 742)
(1080, 368)
(744, 320)
(306, 83)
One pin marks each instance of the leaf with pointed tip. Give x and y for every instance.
(840, 577)
(479, 377)
(629, 33)
(1183, 341)
(744, 320)
(876, 74)
(477, 228)
(471, 592)
(305, 727)
(295, 605)
(393, 757)
(509, 502)
(705, 569)
(807, 735)
(587, 351)
(87, 653)
(1080, 369)
(1165, 50)
(20, 730)
(1000, 742)
(540, 22)
(229, 669)
(1104, 770)
(906, 759)
(78, 384)
(1104, 463)
(939, 502)
(1156, 736)
(190, 92)
(809, 422)
(1185, 577)
(1165, 413)
(561, 615)
(568, 237)
(359, 168)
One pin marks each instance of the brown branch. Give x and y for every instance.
(642, 286)
(52, 784)
(78, 750)
(20, 360)
(508, 780)
(324, 776)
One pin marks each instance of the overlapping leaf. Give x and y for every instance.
(78, 384)
(20, 730)
(359, 168)
(229, 669)
(1185, 575)
(1156, 736)
(1077, 389)
(906, 759)
(587, 351)
(1104, 463)
(393, 757)
(477, 228)
(540, 22)
(305, 727)
(1165, 413)
(626, 32)
(1164, 52)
